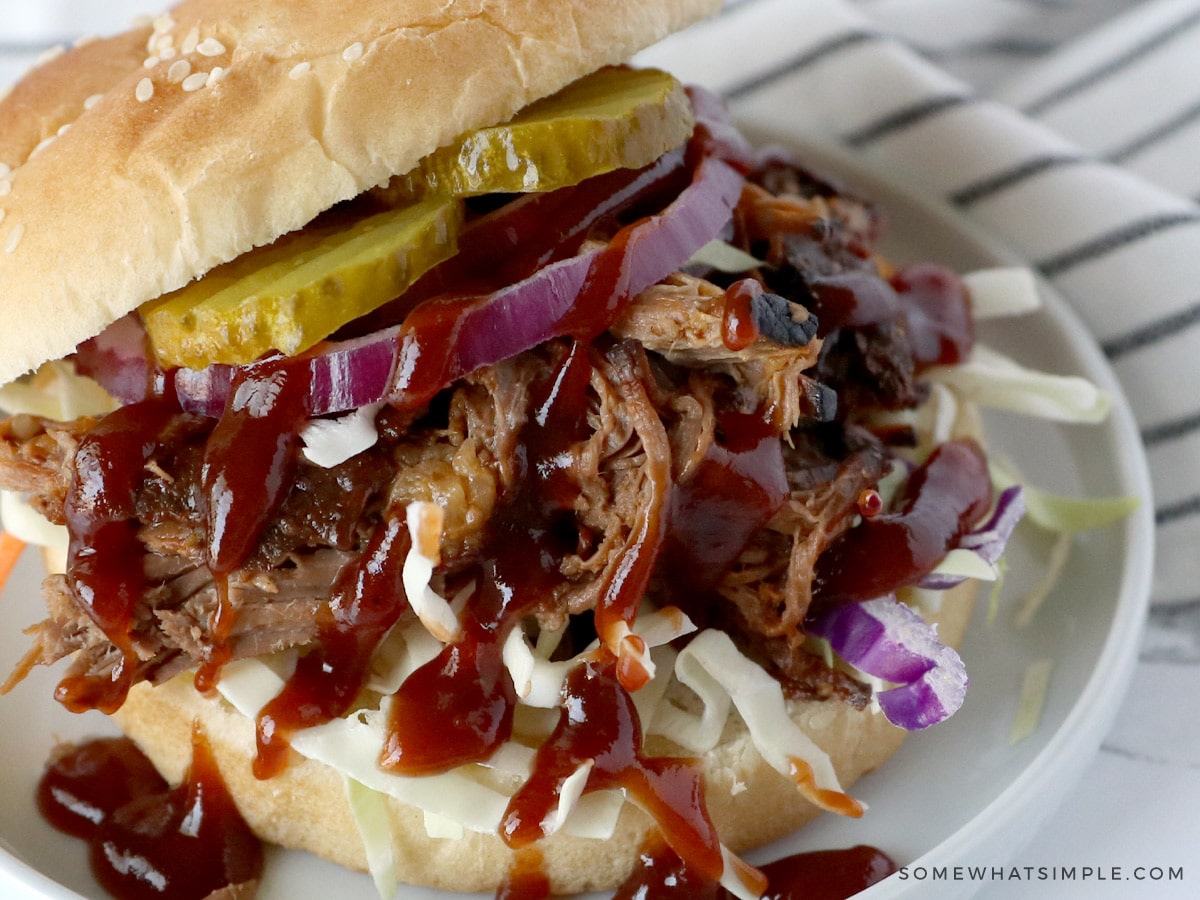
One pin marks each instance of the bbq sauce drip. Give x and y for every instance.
(148, 840)
(929, 299)
(940, 324)
(625, 585)
(525, 880)
(941, 501)
(738, 327)
(367, 600)
(599, 724)
(105, 556)
(731, 493)
(659, 874)
(442, 315)
(458, 708)
(248, 465)
(826, 874)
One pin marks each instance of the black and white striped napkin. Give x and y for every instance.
(1076, 145)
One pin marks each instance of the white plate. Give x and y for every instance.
(958, 794)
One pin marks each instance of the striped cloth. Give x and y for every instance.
(1074, 142)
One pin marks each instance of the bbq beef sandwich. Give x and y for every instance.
(483, 445)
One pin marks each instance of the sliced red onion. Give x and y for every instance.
(887, 639)
(446, 338)
(443, 340)
(988, 540)
(343, 375)
(120, 359)
(721, 135)
(204, 391)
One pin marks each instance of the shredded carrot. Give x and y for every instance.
(834, 801)
(10, 551)
(749, 876)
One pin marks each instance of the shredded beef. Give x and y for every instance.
(36, 458)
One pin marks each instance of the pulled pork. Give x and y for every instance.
(661, 388)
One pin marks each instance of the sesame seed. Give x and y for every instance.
(49, 54)
(190, 42)
(179, 70)
(92, 100)
(5, 170)
(41, 146)
(195, 81)
(166, 51)
(353, 52)
(144, 90)
(150, 62)
(165, 22)
(64, 130)
(210, 47)
(14, 238)
(85, 40)
(300, 69)
(215, 75)
(5, 188)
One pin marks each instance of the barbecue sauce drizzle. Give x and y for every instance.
(940, 502)
(458, 707)
(368, 598)
(660, 874)
(248, 465)
(599, 726)
(146, 839)
(104, 556)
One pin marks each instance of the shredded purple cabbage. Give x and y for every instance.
(889, 640)
(988, 540)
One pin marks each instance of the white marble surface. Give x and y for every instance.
(1137, 806)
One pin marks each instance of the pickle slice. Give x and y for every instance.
(614, 118)
(291, 294)
(300, 289)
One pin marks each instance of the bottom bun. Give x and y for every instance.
(306, 808)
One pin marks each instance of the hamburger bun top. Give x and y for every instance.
(133, 164)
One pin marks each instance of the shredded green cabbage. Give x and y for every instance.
(991, 379)
(1034, 688)
(1060, 513)
(1002, 292)
(56, 392)
(724, 257)
(369, 809)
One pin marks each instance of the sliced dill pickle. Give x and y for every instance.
(291, 294)
(612, 119)
(300, 289)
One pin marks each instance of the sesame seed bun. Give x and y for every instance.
(306, 808)
(132, 165)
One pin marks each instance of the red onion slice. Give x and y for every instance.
(887, 639)
(119, 358)
(446, 338)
